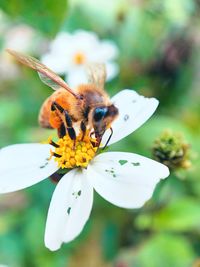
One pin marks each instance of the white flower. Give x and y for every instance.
(19, 38)
(69, 53)
(22, 38)
(8, 70)
(124, 179)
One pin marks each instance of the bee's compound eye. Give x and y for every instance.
(99, 113)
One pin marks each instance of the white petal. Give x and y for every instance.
(107, 51)
(24, 165)
(125, 179)
(60, 53)
(84, 40)
(61, 44)
(76, 76)
(69, 209)
(57, 63)
(112, 70)
(134, 110)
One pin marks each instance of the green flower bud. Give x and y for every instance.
(171, 150)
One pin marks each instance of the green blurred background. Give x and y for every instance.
(159, 43)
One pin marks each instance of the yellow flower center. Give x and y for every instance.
(70, 154)
(79, 58)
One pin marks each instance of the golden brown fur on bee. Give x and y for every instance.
(92, 96)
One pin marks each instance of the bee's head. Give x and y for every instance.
(102, 117)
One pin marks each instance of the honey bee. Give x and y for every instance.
(88, 105)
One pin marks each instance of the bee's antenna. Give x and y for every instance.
(111, 133)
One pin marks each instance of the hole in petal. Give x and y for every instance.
(126, 117)
(122, 161)
(69, 210)
(76, 194)
(111, 172)
(135, 163)
(45, 164)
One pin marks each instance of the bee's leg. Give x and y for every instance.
(56, 106)
(69, 126)
(67, 121)
(83, 129)
(61, 131)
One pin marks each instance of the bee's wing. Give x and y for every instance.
(46, 75)
(96, 74)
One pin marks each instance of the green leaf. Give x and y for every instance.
(165, 250)
(110, 241)
(45, 15)
(179, 215)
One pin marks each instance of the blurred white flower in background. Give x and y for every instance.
(22, 38)
(8, 70)
(69, 53)
(18, 38)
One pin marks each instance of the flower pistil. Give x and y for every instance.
(79, 58)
